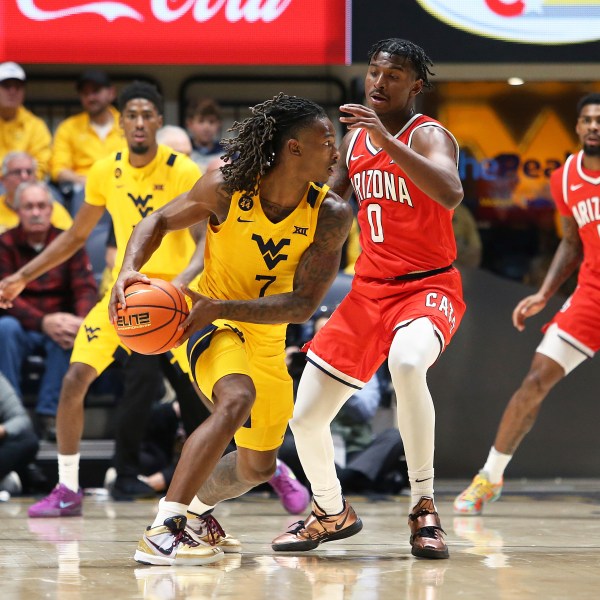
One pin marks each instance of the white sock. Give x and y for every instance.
(68, 470)
(414, 349)
(198, 507)
(421, 484)
(168, 509)
(495, 465)
(318, 400)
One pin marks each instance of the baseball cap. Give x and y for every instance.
(93, 76)
(11, 70)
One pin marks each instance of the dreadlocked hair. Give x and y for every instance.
(254, 150)
(411, 52)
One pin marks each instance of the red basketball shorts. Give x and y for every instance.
(579, 318)
(357, 338)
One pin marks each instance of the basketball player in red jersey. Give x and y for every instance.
(574, 333)
(406, 298)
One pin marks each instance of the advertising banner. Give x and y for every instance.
(220, 32)
(483, 31)
(544, 22)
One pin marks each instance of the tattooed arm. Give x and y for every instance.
(206, 200)
(566, 259)
(314, 275)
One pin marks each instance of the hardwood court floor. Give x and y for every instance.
(541, 540)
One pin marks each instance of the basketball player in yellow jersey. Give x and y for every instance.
(273, 247)
(130, 184)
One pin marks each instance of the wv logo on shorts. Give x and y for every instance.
(271, 251)
(140, 204)
(91, 332)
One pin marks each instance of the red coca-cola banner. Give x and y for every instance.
(224, 32)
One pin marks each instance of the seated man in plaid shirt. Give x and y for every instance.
(46, 316)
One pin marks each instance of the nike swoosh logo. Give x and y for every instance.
(240, 220)
(422, 480)
(338, 526)
(352, 157)
(576, 187)
(162, 550)
(62, 504)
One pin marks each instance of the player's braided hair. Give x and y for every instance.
(413, 53)
(254, 150)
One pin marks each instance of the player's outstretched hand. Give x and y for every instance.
(204, 311)
(10, 288)
(528, 307)
(117, 294)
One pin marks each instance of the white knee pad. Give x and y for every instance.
(416, 344)
(562, 348)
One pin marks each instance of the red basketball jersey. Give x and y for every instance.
(402, 230)
(577, 194)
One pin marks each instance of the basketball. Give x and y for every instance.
(154, 311)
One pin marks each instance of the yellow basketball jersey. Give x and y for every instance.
(248, 256)
(131, 193)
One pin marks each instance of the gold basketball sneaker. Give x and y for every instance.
(171, 544)
(318, 528)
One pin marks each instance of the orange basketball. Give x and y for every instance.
(148, 324)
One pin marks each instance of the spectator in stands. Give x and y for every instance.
(19, 128)
(80, 140)
(370, 461)
(18, 442)
(468, 240)
(176, 138)
(47, 315)
(203, 122)
(18, 167)
(162, 445)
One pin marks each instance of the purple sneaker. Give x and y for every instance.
(61, 502)
(293, 495)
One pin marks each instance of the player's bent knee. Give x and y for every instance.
(257, 468)
(538, 383)
(407, 367)
(255, 476)
(79, 377)
(235, 408)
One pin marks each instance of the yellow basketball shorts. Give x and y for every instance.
(227, 348)
(98, 345)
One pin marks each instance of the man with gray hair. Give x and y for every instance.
(176, 138)
(46, 317)
(18, 167)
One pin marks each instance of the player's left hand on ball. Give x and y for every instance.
(204, 311)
